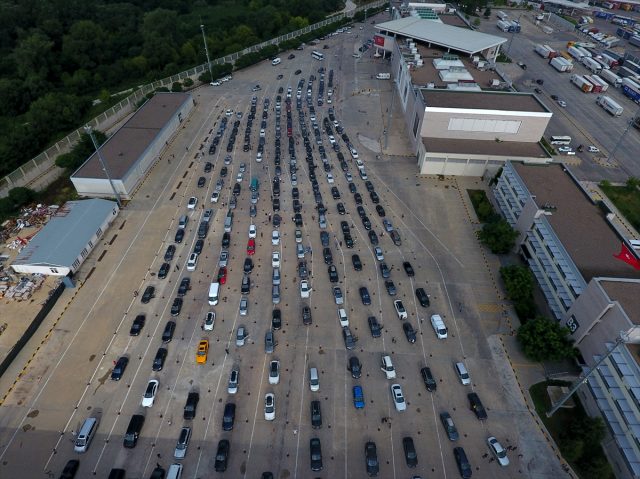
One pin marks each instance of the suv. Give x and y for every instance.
(476, 406)
(374, 326)
(423, 298)
(371, 458)
(410, 455)
(463, 463)
(429, 381)
(449, 426)
(191, 405)
(438, 326)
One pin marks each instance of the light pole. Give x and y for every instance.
(624, 133)
(206, 51)
(89, 131)
(512, 35)
(393, 98)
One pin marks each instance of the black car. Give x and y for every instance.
(341, 210)
(384, 270)
(226, 240)
(380, 210)
(395, 237)
(333, 274)
(373, 238)
(148, 295)
(223, 171)
(374, 197)
(70, 469)
(201, 182)
(297, 72)
(291, 56)
(335, 193)
(364, 296)
(355, 367)
(315, 451)
(369, 186)
(357, 197)
(316, 415)
(361, 212)
(167, 333)
(185, 285)
(176, 307)
(248, 265)
(348, 241)
(366, 223)
(344, 226)
(374, 327)
(476, 406)
(276, 319)
(236, 189)
(179, 236)
(245, 288)
(171, 250)
(371, 459)
(423, 298)
(157, 473)
(191, 405)
(324, 238)
(159, 359)
(137, 325)
(297, 219)
(164, 270)
(463, 463)
(198, 246)
(327, 255)
(229, 416)
(408, 269)
(410, 455)
(391, 287)
(295, 193)
(357, 264)
(276, 204)
(222, 456)
(352, 188)
(119, 368)
(208, 167)
(277, 219)
(306, 316)
(429, 381)
(409, 332)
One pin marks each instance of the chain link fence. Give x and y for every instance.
(44, 163)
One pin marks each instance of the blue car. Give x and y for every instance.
(358, 397)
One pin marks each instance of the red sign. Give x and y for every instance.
(628, 257)
(378, 40)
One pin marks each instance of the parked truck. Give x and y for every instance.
(595, 86)
(604, 86)
(609, 60)
(502, 16)
(561, 64)
(591, 64)
(631, 89)
(581, 82)
(504, 25)
(545, 51)
(610, 77)
(608, 104)
(575, 53)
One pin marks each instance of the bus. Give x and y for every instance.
(560, 140)
(317, 55)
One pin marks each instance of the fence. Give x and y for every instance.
(44, 163)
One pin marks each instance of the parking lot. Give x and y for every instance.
(437, 237)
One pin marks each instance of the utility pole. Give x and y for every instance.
(393, 98)
(89, 131)
(206, 50)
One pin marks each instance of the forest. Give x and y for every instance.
(57, 57)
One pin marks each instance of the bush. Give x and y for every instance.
(519, 284)
(543, 339)
(482, 205)
(176, 87)
(498, 236)
(187, 82)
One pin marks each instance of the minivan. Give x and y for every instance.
(133, 431)
(182, 222)
(85, 435)
(462, 373)
(314, 380)
(438, 326)
(213, 293)
(387, 367)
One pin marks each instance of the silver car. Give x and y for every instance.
(269, 342)
(224, 258)
(182, 444)
(276, 276)
(337, 295)
(234, 379)
(244, 306)
(241, 336)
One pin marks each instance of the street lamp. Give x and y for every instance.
(512, 34)
(89, 131)
(206, 50)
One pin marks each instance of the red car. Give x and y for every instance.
(251, 246)
(222, 275)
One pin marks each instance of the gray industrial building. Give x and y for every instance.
(67, 239)
(570, 244)
(130, 152)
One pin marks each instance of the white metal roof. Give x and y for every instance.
(447, 36)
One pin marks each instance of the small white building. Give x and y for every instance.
(62, 245)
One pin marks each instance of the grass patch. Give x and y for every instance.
(502, 58)
(592, 463)
(547, 146)
(481, 205)
(627, 201)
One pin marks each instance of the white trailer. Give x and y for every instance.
(504, 25)
(604, 86)
(545, 51)
(585, 52)
(610, 77)
(502, 16)
(582, 83)
(575, 53)
(561, 64)
(609, 105)
(591, 64)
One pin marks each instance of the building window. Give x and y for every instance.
(99, 233)
(482, 125)
(83, 253)
(90, 244)
(54, 270)
(416, 122)
(75, 264)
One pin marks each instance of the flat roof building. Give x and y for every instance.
(67, 239)
(130, 152)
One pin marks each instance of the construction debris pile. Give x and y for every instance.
(32, 216)
(23, 290)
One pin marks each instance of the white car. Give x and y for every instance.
(215, 83)
(498, 451)
(400, 309)
(215, 196)
(348, 177)
(342, 317)
(274, 372)
(337, 295)
(243, 167)
(239, 177)
(275, 259)
(150, 393)
(192, 262)
(275, 238)
(378, 252)
(398, 397)
(269, 407)
(298, 236)
(252, 231)
(359, 163)
(262, 134)
(244, 306)
(224, 258)
(330, 178)
(209, 321)
(305, 289)
(259, 157)
(564, 149)
(354, 153)
(193, 201)
(241, 335)
(562, 103)
(229, 112)
(593, 149)
(332, 140)
(234, 380)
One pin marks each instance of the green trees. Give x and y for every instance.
(543, 339)
(80, 152)
(498, 236)
(519, 284)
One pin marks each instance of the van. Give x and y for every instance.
(276, 61)
(314, 380)
(463, 374)
(133, 431)
(85, 435)
(438, 326)
(182, 222)
(213, 293)
(387, 367)
(228, 222)
(383, 76)
(175, 471)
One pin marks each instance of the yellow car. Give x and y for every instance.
(203, 349)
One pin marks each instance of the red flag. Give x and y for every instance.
(628, 257)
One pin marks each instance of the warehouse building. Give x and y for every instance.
(590, 276)
(67, 239)
(128, 154)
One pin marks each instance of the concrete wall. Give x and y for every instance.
(459, 165)
(436, 124)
